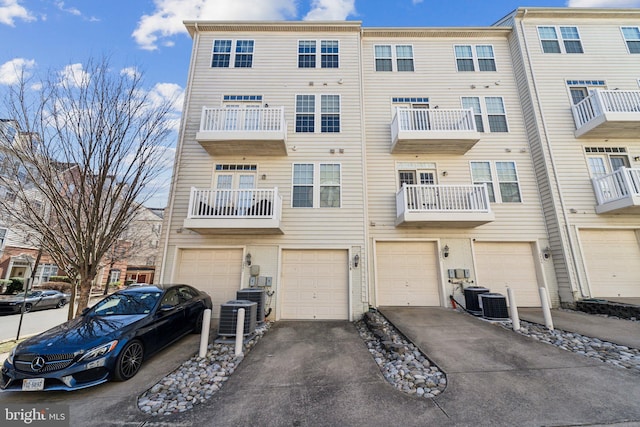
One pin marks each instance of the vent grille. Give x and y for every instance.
(229, 317)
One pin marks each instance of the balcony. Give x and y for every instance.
(443, 206)
(618, 192)
(243, 131)
(245, 211)
(608, 114)
(433, 131)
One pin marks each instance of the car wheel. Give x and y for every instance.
(129, 361)
(27, 307)
(61, 303)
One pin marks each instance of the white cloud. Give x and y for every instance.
(166, 20)
(11, 71)
(172, 92)
(331, 10)
(603, 3)
(11, 10)
(72, 10)
(131, 72)
(74, 75)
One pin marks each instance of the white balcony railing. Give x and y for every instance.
(601, 101)
(239, 204)
(621, 184)
(439, 120)
(443, 198)
(246, 119)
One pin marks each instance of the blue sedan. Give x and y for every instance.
(108, 341)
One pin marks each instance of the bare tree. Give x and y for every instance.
(92, 143)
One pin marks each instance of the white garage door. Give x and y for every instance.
(407, 274)
(502, 264)
(612, 259)
(315, 285)
(215, 271)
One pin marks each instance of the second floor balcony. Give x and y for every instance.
(618, 192)
(257, 131)
(244, 211)
(443, 205)
(433, 131)
(608, 114)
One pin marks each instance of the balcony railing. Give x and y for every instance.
(246, 130)
(618, 192)
(421, 130)
(453, 205)
(608, 114)
(248, 209)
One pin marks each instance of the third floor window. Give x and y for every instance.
(387, 55)
(632, 38)
(306, 117)
(308, 53)
(225, 54)
(472, 58)
(560, 40)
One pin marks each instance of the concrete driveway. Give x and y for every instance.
(321, 374)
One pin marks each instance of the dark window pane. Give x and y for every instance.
(405, 64)
(550, 46)
(498, 124)
(487, 64)
(243, 60)
(305, 123)
(330, 123)
(329, 61)
(573, 46)
(302, 197)
(220, 61)
(510, 192)
(634, 47)
(383, 65)
(479, 124)
(465, 64)
(306, 61)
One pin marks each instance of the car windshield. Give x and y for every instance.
(129, 303)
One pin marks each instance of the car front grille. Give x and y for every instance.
(52, 362)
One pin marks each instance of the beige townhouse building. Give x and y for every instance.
(341, 167)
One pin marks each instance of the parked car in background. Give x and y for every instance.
(108, 341)
(35, 300)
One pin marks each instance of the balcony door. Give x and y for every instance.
(231, 199)
(417, 119)
(244, 116)
(419, 197)
(601, 165)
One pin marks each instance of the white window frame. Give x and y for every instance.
(475, 58)
(626, 41)
(606, 154)
(317, 184)
(318, 112)
(318, 54)
(232, 53)
(394, 58)
(484, 112)
(495, 179)
(3, 236)
(560, 39)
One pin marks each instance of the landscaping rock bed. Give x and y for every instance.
(402, 363)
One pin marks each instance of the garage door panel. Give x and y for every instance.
(218, 272)
(407, 274)
(512, 264)
(315, 285)
(612, 260)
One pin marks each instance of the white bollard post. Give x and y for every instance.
(239, 331)
(204, 333)
(513, 309)
(546, 311)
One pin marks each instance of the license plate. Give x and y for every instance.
(33, 384)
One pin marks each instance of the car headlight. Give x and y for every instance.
(99, 351)
(11, 355)
(13, 303)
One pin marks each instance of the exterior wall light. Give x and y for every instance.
(356, 260)
(247, 259)
(445, 251)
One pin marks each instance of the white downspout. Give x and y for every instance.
(572, 271)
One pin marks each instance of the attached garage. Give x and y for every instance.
(218, 272)
(512, 264)
(315, 285)
(407, 274)
(612, 261)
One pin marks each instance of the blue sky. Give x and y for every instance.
(42, 35)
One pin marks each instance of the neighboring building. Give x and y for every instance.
(578, 75)
(344, 167)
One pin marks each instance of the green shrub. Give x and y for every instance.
(65, 279)
(16, 285)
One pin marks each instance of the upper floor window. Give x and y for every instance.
(632, 38)
(319, 186)
(307, 52)
(329, 113)
(222, 52)
(493, 115)
(3, 236)
(605, 160)
(470, 59)
(384, 58)
(551, 42)
(501, 179)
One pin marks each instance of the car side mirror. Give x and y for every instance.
(85, 311)
(166, 307)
